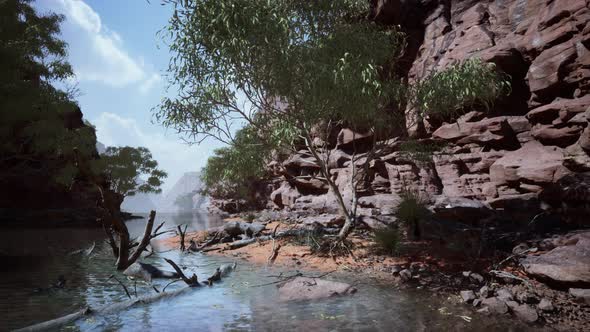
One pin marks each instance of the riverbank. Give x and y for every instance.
(489, 285)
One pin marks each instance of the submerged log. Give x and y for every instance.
(86, 312)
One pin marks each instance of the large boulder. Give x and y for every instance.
(561, 108)
(461, 209)
(302, 288)
(533, 163)
(568, 264)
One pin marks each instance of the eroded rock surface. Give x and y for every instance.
(567, 264)
(302, 288)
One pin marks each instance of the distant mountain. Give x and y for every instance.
(188, 182)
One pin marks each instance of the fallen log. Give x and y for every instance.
(88, 311)
(291, 232)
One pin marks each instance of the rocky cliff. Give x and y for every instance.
(532, 143)
(189, 182)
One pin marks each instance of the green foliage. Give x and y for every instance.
(294, 63)
(250, 217)
(461, 87)
(185, 202)
(232, 171)
(387, 239)
(124, 166)
(37, 121)
(412, 211)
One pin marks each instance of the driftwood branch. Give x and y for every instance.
(55, 324)
(274, 252)
(145, 240)
(508, 275)
(191, 282)
(122, 285)
(182, 233)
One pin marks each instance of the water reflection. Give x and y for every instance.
(232, 305)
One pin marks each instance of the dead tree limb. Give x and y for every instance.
(55, 324)
(122, 285)
(182, 235)
(191, 282)
(274, 252)
(145, 240)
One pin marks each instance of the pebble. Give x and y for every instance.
(504, 294)
(467, 296)
(526, 313)
(546, 305)
(477, 277)
(405, 274)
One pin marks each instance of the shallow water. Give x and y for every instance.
(235, 304)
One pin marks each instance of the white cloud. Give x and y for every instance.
(147, 85)
(173, 156)
(82, 14)
(98, 53)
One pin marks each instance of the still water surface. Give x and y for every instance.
(235, 304)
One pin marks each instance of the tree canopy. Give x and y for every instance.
(253, 61)
(289, 70)
(40, 125)
(124, 166)
(232, 171)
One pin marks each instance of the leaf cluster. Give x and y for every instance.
(124, 167)
(463, 86)
(233, 171)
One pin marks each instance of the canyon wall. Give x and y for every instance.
(504, 158)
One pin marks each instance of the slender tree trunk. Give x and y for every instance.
(123, 259)
(348, 218)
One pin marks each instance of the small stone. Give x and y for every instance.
(484, 310)
(546, 305)
(396, 269)
(415, 267)
(476, 302)
(477, 277)
(526, 313)
(468, 296)
(495, 305)
(504, 294)
(512, 304)
(405, 274)
(484, 292)
(526, 297)
(466, 274)
(581, 295)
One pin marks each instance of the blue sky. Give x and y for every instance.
(120, 66)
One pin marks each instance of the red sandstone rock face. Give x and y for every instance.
(531, 140)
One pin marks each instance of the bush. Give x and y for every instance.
(412, 211)
(233, 172)
(467, 85)
(387, 239)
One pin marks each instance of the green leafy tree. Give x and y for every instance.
(233, 172)
(291, 70)
(40, 125)
(123, 166)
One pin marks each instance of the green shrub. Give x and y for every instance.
(467, 85)
(412, 211)
(250, 217)
(387, 239)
